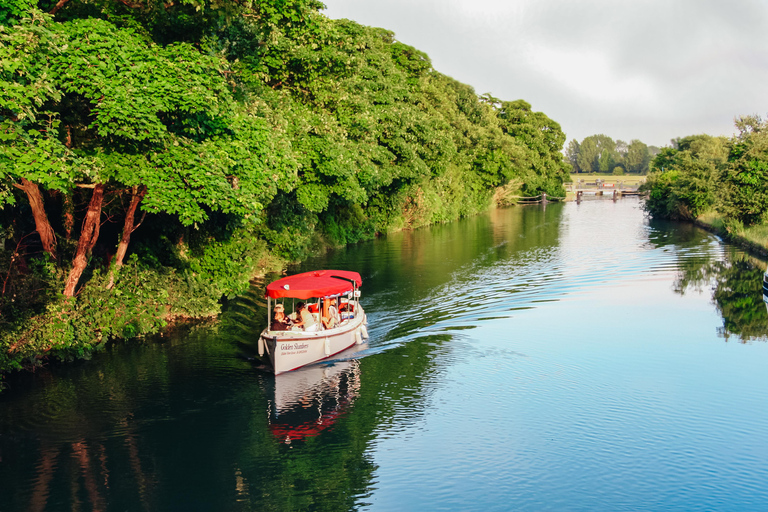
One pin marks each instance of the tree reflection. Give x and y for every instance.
(736, 284)
(738, 295)
(185, 422)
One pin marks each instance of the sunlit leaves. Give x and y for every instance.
(131, 83)
(746, 197)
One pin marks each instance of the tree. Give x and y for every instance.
(544, 141)
(147, 119)
(746, 196)
(622, 148)
(32, 154)
(686, 180)
(606, 161)
(638, 157)
(572, 155)
(592, 149)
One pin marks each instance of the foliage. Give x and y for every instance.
(735, 283)
(746, 196)
(239, 130)
(704, 172)
(600, 154)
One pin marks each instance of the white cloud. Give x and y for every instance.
(647, 69)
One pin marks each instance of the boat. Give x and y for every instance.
(765, 288)
(288, 350)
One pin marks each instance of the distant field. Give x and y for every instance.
(632, 180)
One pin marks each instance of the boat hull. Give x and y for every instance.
(289, 350)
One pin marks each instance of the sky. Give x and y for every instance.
(651, 70)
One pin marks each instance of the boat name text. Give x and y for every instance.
(294, 346)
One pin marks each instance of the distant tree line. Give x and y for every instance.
(701, 173)
(600, 154)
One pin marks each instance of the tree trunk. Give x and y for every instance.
(88, 237)
(128, 227)
(68, 215)
(43, 227)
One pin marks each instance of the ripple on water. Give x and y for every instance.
(483, 389)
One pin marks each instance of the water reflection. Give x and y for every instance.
(310, 400)
(484, 356)
(735, 283)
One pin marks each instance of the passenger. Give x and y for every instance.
(347, 310)
(280, 322)
(330, 317)
(304, 319)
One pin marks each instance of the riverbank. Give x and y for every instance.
(145, 300)
(753, 238)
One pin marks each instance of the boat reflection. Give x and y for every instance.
(310, 400)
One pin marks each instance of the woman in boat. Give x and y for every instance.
(280, 322)
(330, 316)
(304, 319)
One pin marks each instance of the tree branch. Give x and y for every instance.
(58, 6)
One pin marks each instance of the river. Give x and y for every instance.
(567, 357)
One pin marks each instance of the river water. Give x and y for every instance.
(573, 357)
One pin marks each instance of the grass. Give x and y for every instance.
(755, 236)
(630, 180)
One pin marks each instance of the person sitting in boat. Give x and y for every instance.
(347, 310)
(304, 319)
(280, 322)
(330, 316)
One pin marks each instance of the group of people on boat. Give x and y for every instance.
(303, 320)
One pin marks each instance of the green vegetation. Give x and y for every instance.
(154, 157)
(600, 154)
(717, 180)
(702, 173)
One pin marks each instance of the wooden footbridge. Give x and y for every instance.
(575, 191)
(616, 189)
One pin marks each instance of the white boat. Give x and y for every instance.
(291, 349)
(765, 288)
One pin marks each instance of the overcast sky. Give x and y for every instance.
(643, 69)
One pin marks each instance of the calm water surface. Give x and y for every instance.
(577, 357)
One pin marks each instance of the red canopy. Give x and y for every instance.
(318, 283)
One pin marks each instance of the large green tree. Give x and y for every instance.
(638, 157)
(746, 194)
(227, 127)
(593, 150)
(688, 179)
(542, 139)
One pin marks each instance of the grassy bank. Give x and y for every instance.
(753, 238)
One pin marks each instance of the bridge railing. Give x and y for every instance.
(601, 185)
